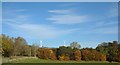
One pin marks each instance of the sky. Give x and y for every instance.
(88, 23)
(60, 0)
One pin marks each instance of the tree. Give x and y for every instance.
(109, 49)
(7, 45)
(18, 46)
(106, 51)
(26, 50)
(75, 45)
(118, 57)
(46, 53)
(65, 51)
(64, 57)
(77, 55)
(92, 55)
(103, 48)
(1, 44)
(85, 54)
(34, 49)
(61, 57)
(102, 57)
(113, 49)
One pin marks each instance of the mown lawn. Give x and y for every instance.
(37, 61)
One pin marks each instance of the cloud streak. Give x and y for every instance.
(20, 23)
(61, 11)
(66, 17)
(41, 31)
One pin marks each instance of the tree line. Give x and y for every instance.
(106, 51)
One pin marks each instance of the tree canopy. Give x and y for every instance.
(106, 51)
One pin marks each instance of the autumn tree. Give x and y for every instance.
(77, 55)
(110, 49)
(106, 51)
(65, 52)
(118, 57)
(1, 44)
(85, 54)
(7, 46)
(64, 57)
(46, 53)
(19, 46)
(118, 54)
(102, 57)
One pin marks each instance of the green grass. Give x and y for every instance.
(37, 61)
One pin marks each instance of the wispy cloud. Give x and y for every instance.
(40, 30)
(101, 25)
(21, 23)
(61, 11)
(15, 16)
(66, 17)
(65, 21)
(17, 19)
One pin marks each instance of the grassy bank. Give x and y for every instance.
(37, 61)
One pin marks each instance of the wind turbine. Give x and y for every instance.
(41, 43)
(64, 43)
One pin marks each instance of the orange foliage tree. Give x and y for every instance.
(64, 57)
(118, 57)
(77, 55)
(102, 57)
(85, 55)
(46, 53)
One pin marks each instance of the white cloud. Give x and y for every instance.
(68, 16)
(61, 11)
(68, 19)
(15, 16)
(21, 25)
(16, 19)
(40, 31)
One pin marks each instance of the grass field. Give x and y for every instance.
(34, 61)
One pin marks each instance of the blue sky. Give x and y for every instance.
(60, 1)
(87, 23)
